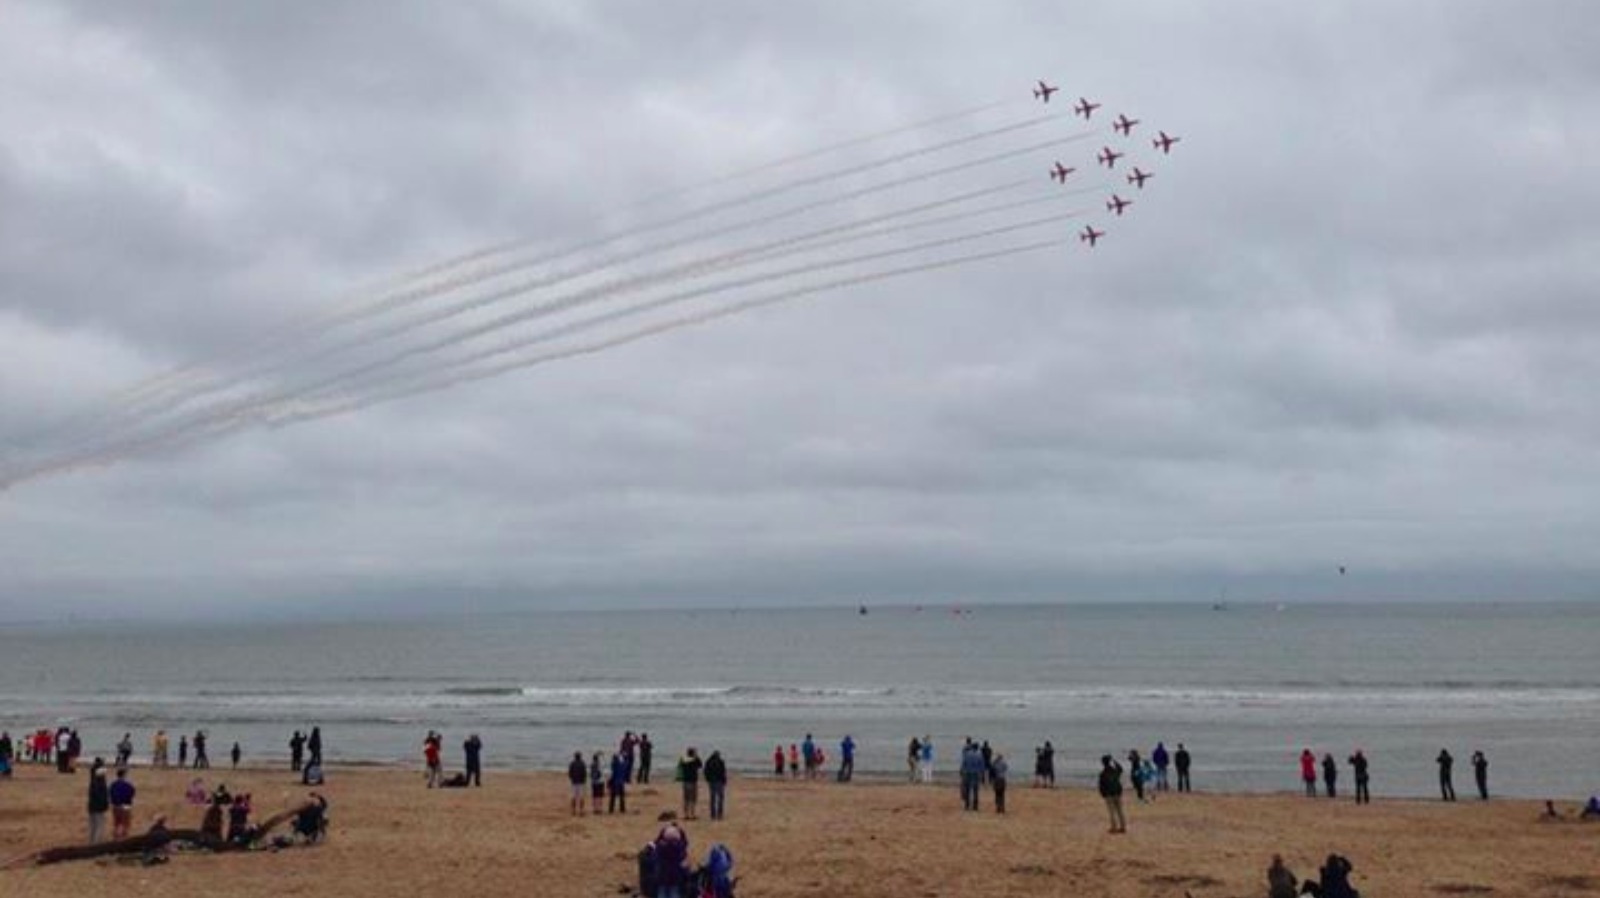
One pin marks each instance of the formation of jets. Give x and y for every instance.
(1122, 125)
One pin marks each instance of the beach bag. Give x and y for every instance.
(648, 870)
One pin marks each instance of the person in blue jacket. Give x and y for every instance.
(847, 759)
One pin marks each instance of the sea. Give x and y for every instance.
(1245, 687)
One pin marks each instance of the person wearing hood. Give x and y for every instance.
(672, 858)
(99, 801)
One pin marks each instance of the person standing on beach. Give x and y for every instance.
(808, 752)
(430, 758)
(847, 759)
(717, 784)
(998, 769)
(1308, 772)
(925, 762)
(689, 772)
(1161, 759)
(794, 761)
(630, 744)
(297, 749)
(646, 748)
(1136, 773)
(99, 801)
(124, 751)
(1110, 785)
(618, 785)
(577, 775)
(1181, 760)
(988, 758)
(597, 783)
(1358, 763)
(1049, 764)
(913, 758)
(971, 775)
(201, 761)
(236, 754)
(777, 761)
(314, 746)
(121, 795)
(473, 749)
(1480, 772)
(1330, 775)
(1447, 788)
(158, 750)
(183, 751)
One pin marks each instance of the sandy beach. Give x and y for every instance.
(392, 836)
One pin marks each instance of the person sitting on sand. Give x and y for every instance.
(157, 838)
(1280, 879)
(1591, 811)
(1549, 814)
(1335, 880)
(239, 819)
(211, 824)
(198, 794)
(671, 861)
(311, 823)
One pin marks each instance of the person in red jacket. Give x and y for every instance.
(1308, 772)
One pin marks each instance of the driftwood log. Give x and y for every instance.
(151, 841)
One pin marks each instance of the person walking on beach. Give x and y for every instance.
(913, 758)
(847, 759)
(99, 801)
(1181, 760)
(1162, 760)
(998, 769)
(1308, 772)
(925, 761)
(971, 775)
(1358, 763)
(717, 784)
(577, 775)
(646, 749)
(1110, 785)
(618, 785)
(473, 749)
(1447, 788)
(297, 751)
(121, 794)
(1330, 775)
(689, 772)
(1480, 772)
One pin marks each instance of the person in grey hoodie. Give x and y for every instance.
(998, 768)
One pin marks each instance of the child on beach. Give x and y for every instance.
(794, 761)
(777, 762)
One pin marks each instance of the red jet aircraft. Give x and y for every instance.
(1085, 108)
(1108, 157)
(1138, 177)
(1117, 204)
(1124, 124)
(1164, 143)
(1043, 91)
(1060, 172)
(1090, 235)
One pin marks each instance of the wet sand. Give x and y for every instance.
(392, 836)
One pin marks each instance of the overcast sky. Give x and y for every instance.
(1358, 324)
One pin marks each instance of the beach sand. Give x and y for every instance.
(391, 836)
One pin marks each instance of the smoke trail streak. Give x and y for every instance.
(640, 308)
(204, 423)
(131, 416)
(221, 427)
(643, 333)
(136, 417)
(719, 180)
